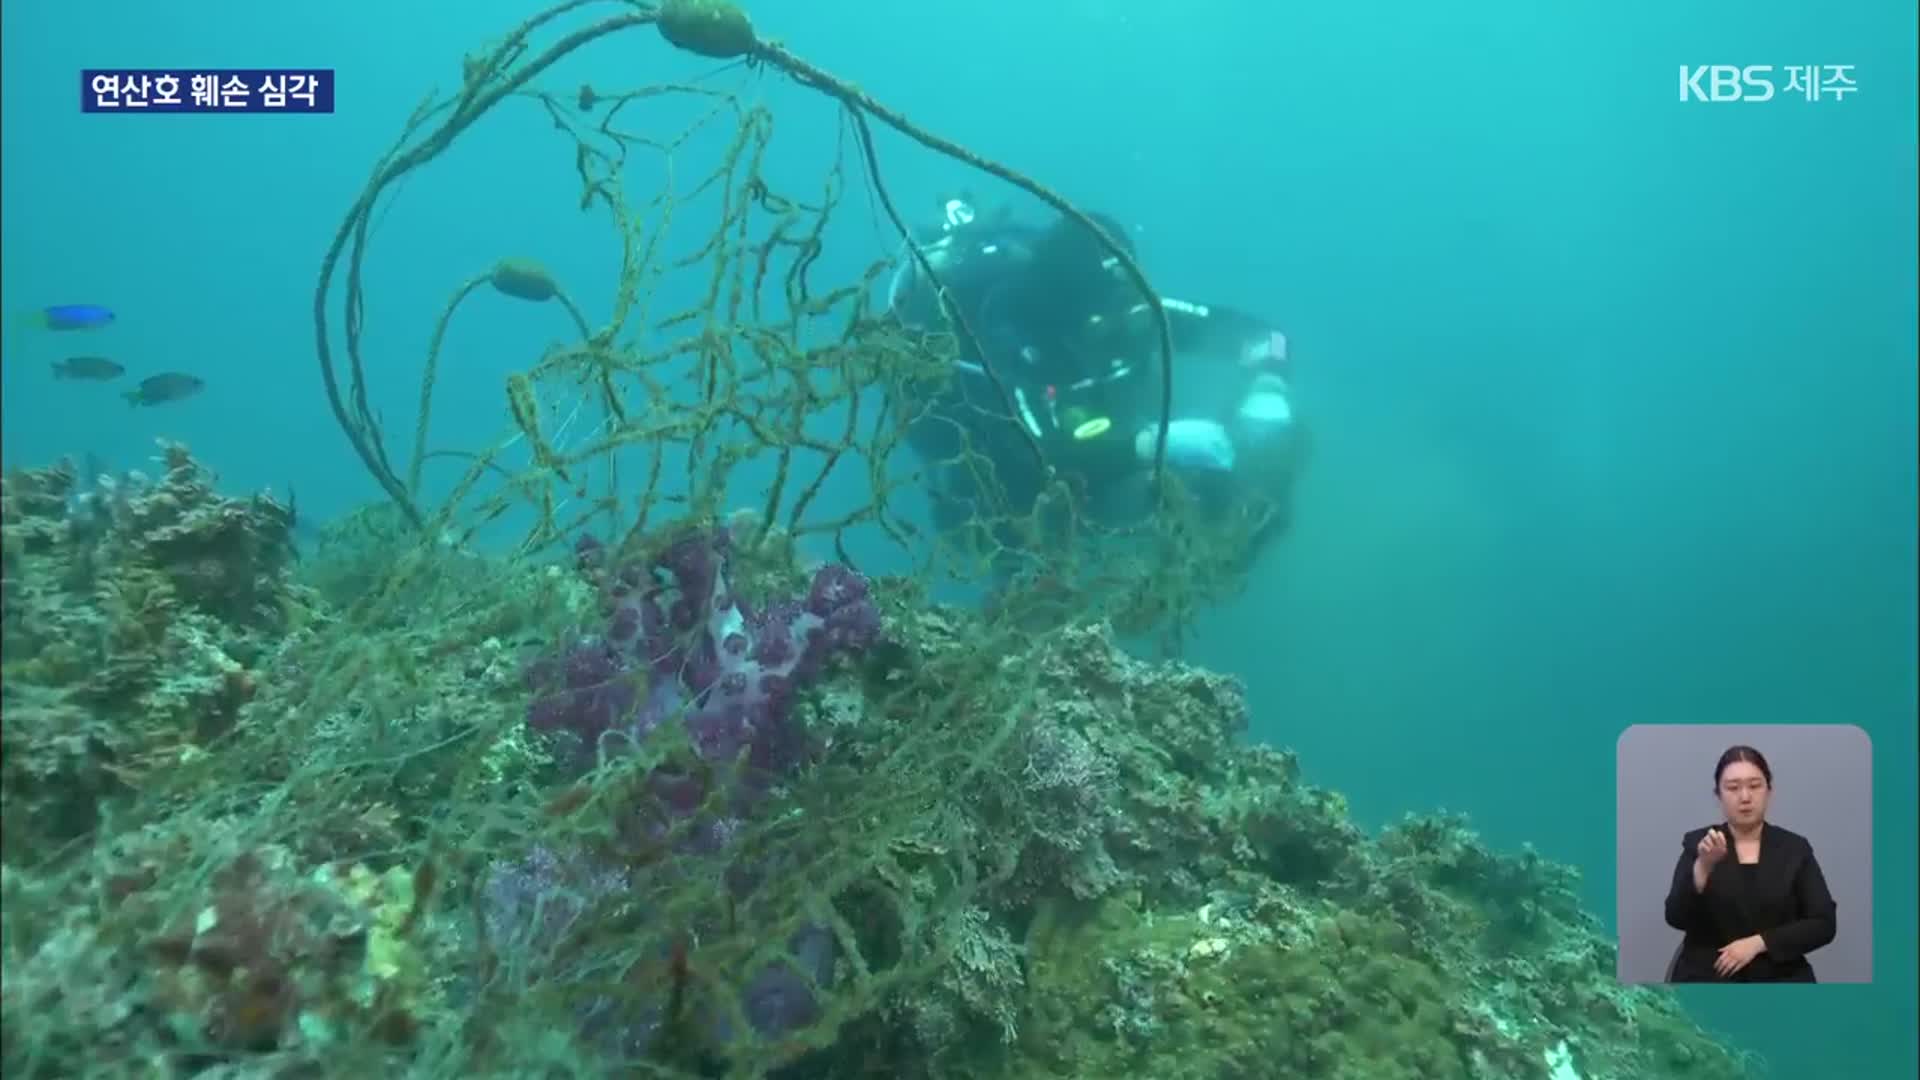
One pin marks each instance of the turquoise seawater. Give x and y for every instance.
(1614, 395)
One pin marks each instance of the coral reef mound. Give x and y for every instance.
(685, 809)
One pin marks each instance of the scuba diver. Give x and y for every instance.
(1077, 348)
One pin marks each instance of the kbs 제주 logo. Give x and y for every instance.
(1757, 82)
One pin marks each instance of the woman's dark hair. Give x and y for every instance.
(1742, 753)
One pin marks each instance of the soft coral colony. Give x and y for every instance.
(681, 641)
(684, 645)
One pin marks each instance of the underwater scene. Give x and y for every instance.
(736, 538)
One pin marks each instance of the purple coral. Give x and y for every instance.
(728, 667)
(728, 670)
(532, 905)
(587, 691)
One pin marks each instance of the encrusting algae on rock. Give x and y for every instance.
(138, 614)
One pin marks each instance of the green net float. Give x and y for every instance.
(711, 28)
(523, 279)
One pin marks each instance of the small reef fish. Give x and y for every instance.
(73, 317)
(88, 368)
(55, 317)
(160, 389)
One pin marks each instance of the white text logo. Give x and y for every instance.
(1757, 82)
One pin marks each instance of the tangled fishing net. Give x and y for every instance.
(639, 742)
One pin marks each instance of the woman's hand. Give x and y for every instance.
(1713, 848)
(1738, 955)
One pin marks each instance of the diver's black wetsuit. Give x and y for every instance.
(1077, 348)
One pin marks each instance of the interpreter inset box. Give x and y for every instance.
(1745, 854)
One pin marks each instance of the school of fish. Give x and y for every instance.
(156, 389)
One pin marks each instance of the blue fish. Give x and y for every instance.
(54, 317)
(74, 317)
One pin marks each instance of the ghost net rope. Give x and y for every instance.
(717, 30)
(735, 942)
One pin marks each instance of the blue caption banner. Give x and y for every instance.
(206, 90)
